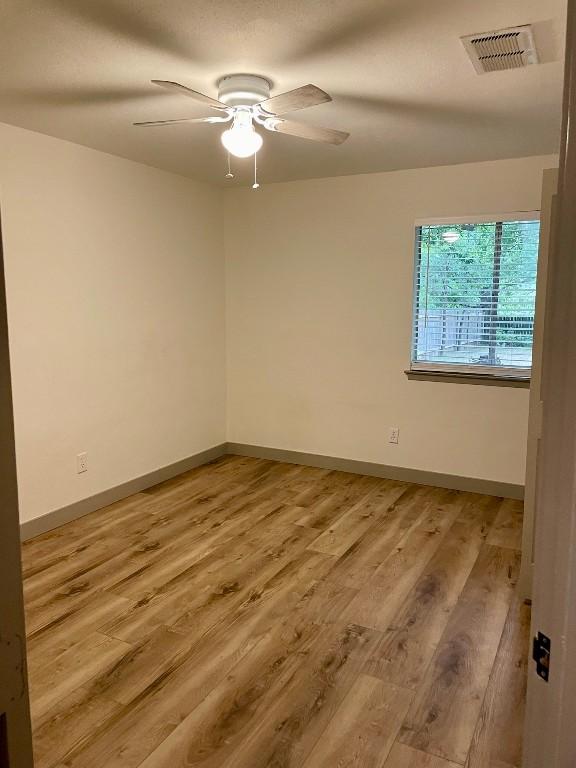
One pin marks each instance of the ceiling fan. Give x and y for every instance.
(244, 100)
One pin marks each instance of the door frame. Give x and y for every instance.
(15, 729)
(547, 213)
(549, 738)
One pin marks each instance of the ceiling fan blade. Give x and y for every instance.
(312, 132)
(149, 123)
(214, 103)
(300, 98)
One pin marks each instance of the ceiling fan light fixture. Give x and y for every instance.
(242, 140)
(245, 100)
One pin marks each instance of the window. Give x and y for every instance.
(474, 295)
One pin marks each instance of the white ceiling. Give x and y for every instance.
(401, 81)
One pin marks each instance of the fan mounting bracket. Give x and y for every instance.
(243, 90)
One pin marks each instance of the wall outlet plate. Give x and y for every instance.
(82, 463)
(394, 435)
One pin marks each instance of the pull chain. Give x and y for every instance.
(255, 185)
(229, 175)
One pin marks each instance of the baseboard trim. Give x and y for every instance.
(418, 476)
(31, 528)
(58, 517)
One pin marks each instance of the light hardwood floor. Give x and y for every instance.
(251, 614)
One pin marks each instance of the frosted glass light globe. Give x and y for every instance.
(242, 140)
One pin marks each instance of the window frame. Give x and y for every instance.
(454, 371)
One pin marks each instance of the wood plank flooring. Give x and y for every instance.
(252, 614)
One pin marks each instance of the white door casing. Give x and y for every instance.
(550, 732)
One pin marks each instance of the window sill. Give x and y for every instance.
(454, 377)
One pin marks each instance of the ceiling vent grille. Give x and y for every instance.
(503, 49)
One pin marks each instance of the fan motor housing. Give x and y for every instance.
(243, 90)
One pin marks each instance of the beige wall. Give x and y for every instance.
(115, 283)
(319, 290)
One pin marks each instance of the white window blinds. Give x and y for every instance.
(474, 296)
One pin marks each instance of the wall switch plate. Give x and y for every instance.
(394, 435)
(82, 463)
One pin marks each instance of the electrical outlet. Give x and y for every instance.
(394, 435)
(82, 463)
